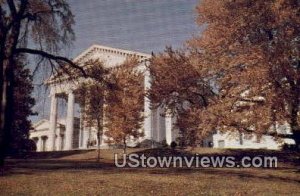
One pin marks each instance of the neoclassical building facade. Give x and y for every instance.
(69, 132)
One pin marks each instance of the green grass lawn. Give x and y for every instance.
(77, 173)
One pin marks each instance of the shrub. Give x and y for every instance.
(173, 145)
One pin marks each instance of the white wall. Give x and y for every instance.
(243, 142)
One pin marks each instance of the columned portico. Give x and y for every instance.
(70, 121)
(76, 135)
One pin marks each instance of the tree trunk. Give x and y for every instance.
(124, 146)
(98, 149)
(7, 110)
(7, 48)
(99, 134)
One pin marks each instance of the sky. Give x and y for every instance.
(142, 25)
(138, 25)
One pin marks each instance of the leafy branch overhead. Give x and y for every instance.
(48, 26)
(248, 61)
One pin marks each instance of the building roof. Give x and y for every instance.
(94, 48)
(45, 123)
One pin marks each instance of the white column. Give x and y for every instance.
(53, 122)
(80, 141)
(155, 124)
(169, 126)
(162, 125)
(147, 109)
(38, 144)
(171, 131)
(70, 122)
(86, 136)
(41, 144)
(58, 141)
(158, 125)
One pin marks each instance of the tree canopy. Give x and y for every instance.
(47, 26)
(253, 48)
(125, 104)
(179, 88)
(23, 102)
(248, 60)
(91, 97)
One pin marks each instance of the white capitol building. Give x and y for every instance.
(69, 133)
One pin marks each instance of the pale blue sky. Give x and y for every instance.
(139, 25)
(143, 25)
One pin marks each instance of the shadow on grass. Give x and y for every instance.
(49, 155)
(227, 173)
(38, 163)
(286, 157)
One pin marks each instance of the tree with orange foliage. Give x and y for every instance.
(252, 48)
(91, 97)
(125, 104)
(183, 91)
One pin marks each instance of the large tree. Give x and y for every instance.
(47, 25)
(183, 91)
(91, 97)
(23, 103)
(252, 48)
(125, 104)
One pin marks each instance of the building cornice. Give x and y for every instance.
(94, 49)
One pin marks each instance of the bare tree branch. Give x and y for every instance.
(52, 57)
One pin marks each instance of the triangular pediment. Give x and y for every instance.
(45, 123)
(110, 56)
(40, 123)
